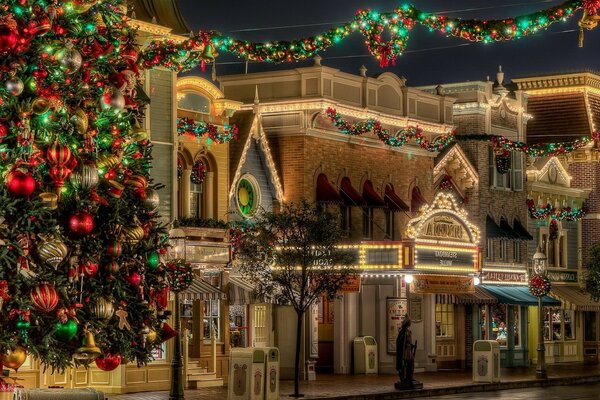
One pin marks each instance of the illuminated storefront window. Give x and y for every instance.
(558, 324)
(500, 324)
(444, 320)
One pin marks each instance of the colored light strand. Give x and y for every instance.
(550, 212)
(187, 126)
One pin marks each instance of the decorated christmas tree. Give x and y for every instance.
(81, 241)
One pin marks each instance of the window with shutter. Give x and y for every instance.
(517, 171)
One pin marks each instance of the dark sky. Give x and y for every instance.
(546, 52)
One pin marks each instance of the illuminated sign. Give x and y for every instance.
(442, 284)
(434, 257)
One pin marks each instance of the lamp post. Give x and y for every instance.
(408, 279)
(177, 251)
(540, 268)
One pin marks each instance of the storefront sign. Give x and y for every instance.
(396, 310)
(444, 227)
(352, 285)
(442, 284)
(504, 277)
(207, 254)
(444, 257)
(563, 276)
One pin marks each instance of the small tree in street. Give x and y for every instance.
(293, 255)
(592, 274)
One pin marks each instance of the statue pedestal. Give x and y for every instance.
(412, 385)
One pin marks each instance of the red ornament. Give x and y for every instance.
(134, 278)
(114, 249)
(8, 38)
(113, 267)
(88, 268)
(3, 131)
(44, 297)
(58, 155)
(108, 362)
(81, 223)
(58, 175)
(20, 183)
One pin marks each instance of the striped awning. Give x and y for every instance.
(480, 296)
(242, 291)
(202, 290)
(574, 298)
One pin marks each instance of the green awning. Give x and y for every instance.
(518, 295)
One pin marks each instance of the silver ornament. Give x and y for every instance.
(86, 177)
(70, 60)
(14, 86)
(112, 98)
(152, 200)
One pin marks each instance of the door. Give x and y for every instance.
(325, 361)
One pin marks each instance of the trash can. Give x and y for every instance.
(246, 374)
(486, 361)
(271, 373)
(365, 355)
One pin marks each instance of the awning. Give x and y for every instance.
(326, 193)
(393, 201)
(521, 231)
(480, 296)
(202, 290)
(574, 298)
(492, 230)
(417, 200)
(371, 196)
(242, 291)
(350, 195)
(518, 295)
(510, 233)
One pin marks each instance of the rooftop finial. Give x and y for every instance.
(362, 71)
(500, 75)
(256, 99)
(317, 60)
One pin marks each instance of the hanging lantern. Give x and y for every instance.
(52, 251)
(44, 297)
(104, 309)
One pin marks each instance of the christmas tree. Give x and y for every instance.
(81, 277)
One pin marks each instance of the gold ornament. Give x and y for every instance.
(104, 309)
(50, 200)
(40, 105)
(588, 21)
(89, 351)
(80, 121)
(13, 359)
(133, 234)
(152, 336)
(208, 54)
(52, 251)
(108, 161)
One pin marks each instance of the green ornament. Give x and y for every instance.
(152, 260)
(22, 325)
(65, 331)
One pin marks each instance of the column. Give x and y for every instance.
(184, 189)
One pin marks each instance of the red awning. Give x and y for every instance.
(326, 193)
(393, 201)
(417, 200)
(350, 195)
(370, 195)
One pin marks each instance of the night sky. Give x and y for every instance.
(431, 58)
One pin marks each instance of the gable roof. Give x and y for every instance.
(454, 162)
(166, 13)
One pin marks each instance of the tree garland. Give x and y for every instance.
(372, 25)
(500, 144)
(549, 211)
(187, 126)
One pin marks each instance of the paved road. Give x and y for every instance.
(579, 392)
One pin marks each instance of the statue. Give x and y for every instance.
(405, 357)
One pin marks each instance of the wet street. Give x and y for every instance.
(578, 392)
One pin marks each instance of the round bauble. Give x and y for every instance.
(44, 297)
(152, 260)
(80, 121)
(112, 98)
(20, 184)
(108, 362)
(81, 223)
(40, 105)
(52, 251)
(58, 154)
(8, 38)
(133, 234)
(113, 267)
(14, 86)
(13, 359)
(152, 336)
(3, 131)
(88, 268)
(114, 249)
(103, 309)
(70, 60)
(86, 176)
(65, 331)
(152, 200)
(134, 278)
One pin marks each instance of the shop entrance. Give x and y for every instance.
(326, 336)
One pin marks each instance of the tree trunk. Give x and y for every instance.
(299, 314)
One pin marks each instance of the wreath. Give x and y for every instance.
(539, 285)
(181, 274)
(198, 172)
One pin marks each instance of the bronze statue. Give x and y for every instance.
(405, 357)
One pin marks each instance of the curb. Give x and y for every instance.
(472, 388)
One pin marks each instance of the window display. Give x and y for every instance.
(558, 324)
(500, 324)
(444, 320)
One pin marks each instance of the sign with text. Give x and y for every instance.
(432, 284)
(563, 276)
(352, 285)
(504, 277)
(396, 310)
(445, 227)
(207, 253)
(431, 256)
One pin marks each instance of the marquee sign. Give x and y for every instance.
(442, 284)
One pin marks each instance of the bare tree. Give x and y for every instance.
(294, 256)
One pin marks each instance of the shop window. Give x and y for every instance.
(489, 250)
(511, 180)
(346, 219)
(500, 324)
(212, 318)
(444, 320)
(389, 224)
(237, 325)
(260, 324)
(589, 323)
(368, 223)
(516, 252)
(195, 102)
(558, 324)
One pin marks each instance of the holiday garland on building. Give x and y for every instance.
(396, 25)
(550, 212)
(500, 144)
(200, 130)
(80, 237)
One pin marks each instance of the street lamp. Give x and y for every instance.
(177, 251)
(540, 264)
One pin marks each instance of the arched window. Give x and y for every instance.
(195, 102)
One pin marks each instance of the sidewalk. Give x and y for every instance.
(382, 386)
